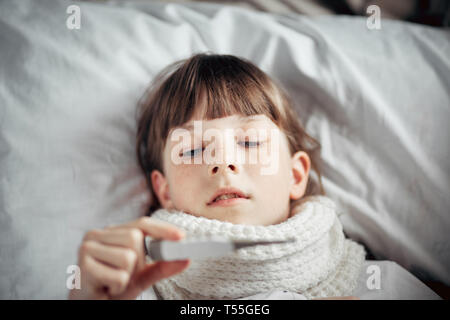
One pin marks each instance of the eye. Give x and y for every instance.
(250, 144)
(192, 153)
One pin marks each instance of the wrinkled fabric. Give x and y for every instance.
(377, 100)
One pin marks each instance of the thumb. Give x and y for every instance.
(158, 271)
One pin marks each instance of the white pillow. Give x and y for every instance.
(376, 99)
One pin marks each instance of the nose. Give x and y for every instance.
(226, 161)
(222, 168)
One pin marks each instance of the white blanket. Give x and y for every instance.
(378, 280)
(378, 101)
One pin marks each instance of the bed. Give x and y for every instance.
(378, 100)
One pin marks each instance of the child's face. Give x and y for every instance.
(267, 184)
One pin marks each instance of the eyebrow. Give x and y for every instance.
(244, 120)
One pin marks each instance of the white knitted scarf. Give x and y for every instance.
(321, 263)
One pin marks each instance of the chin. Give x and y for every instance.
(227, 215)
(243, 219)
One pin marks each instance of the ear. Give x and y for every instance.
(160, 186)
(301, 164)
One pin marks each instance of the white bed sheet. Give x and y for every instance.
(393, 283)
(378, 101)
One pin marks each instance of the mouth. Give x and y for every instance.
(228, 196)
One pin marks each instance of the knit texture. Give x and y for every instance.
(321, 263)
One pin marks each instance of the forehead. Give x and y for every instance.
(237, 117)
(230, 122)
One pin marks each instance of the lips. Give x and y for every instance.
(227, 193)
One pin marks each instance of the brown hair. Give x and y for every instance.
(232, 86)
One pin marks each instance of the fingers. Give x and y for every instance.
(116, 257)
(154, 228)
(131, 238)
(131, 235)
(161, 270)
(100, 276)
(158, 271)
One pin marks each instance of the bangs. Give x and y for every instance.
(216, 86)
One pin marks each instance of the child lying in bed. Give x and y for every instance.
(224, 154)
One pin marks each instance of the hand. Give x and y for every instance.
(112, 260)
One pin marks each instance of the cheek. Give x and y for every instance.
(183, 181)
(278, 182)
(273, 165)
